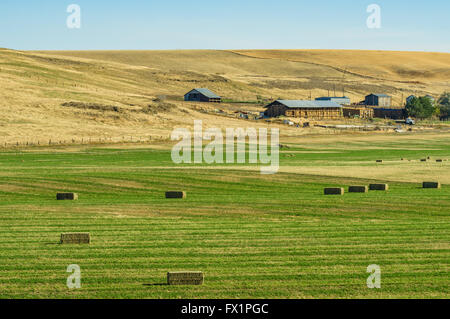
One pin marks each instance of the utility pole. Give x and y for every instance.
(343, 82)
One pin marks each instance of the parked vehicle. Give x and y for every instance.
(410, 121)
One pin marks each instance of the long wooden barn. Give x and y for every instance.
(304, 109)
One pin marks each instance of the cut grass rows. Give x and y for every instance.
(254, 236)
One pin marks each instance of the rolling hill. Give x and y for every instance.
(113, 92)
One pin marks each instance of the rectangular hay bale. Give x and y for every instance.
(75, 238)
(185, 278)
(379, 161)
(67, 196)
(439, 161)
(172, 195)
(378, 187)
(334, 191)
(358, 189)
(431, 185)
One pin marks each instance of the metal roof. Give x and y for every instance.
(206, 93)
(379, 95)
(295, 104)
(337, 99)
(327, 98)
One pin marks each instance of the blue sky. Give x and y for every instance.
(233, 24)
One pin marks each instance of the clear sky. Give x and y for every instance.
(232, 24)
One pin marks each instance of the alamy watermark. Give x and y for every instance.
(74, 280)
(374, 19)
(74, 19)
(258, 150)
(374, 280)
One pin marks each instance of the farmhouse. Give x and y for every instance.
(202, 95)
(339, 100)
(378, 100)
(304, 109)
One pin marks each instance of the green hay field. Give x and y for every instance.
(253, 236)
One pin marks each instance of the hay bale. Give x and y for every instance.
(379, 187)
(358, 189)
(172, 195)
(67, 196)
(379, 161)
(75, 238)
(185, 278)
(424, 160)
(439, 161)
(431, 185)
(334, 191)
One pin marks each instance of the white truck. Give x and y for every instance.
(410, 121)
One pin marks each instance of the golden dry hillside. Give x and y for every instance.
(112, 94)
(399, 66)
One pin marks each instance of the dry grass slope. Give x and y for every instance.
(34, 85)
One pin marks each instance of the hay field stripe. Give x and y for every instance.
(281, 246)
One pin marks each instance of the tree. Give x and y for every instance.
(421, 107)
(444, 104)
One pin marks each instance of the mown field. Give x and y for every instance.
(254, 236)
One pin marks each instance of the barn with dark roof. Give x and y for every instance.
(383, 100)
(202, 95)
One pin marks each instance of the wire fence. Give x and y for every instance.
(84, 141)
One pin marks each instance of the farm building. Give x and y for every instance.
(304, 109)
(390, 113)
(202, 95)
(382, 100)
(339, 100)
(361, 112)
